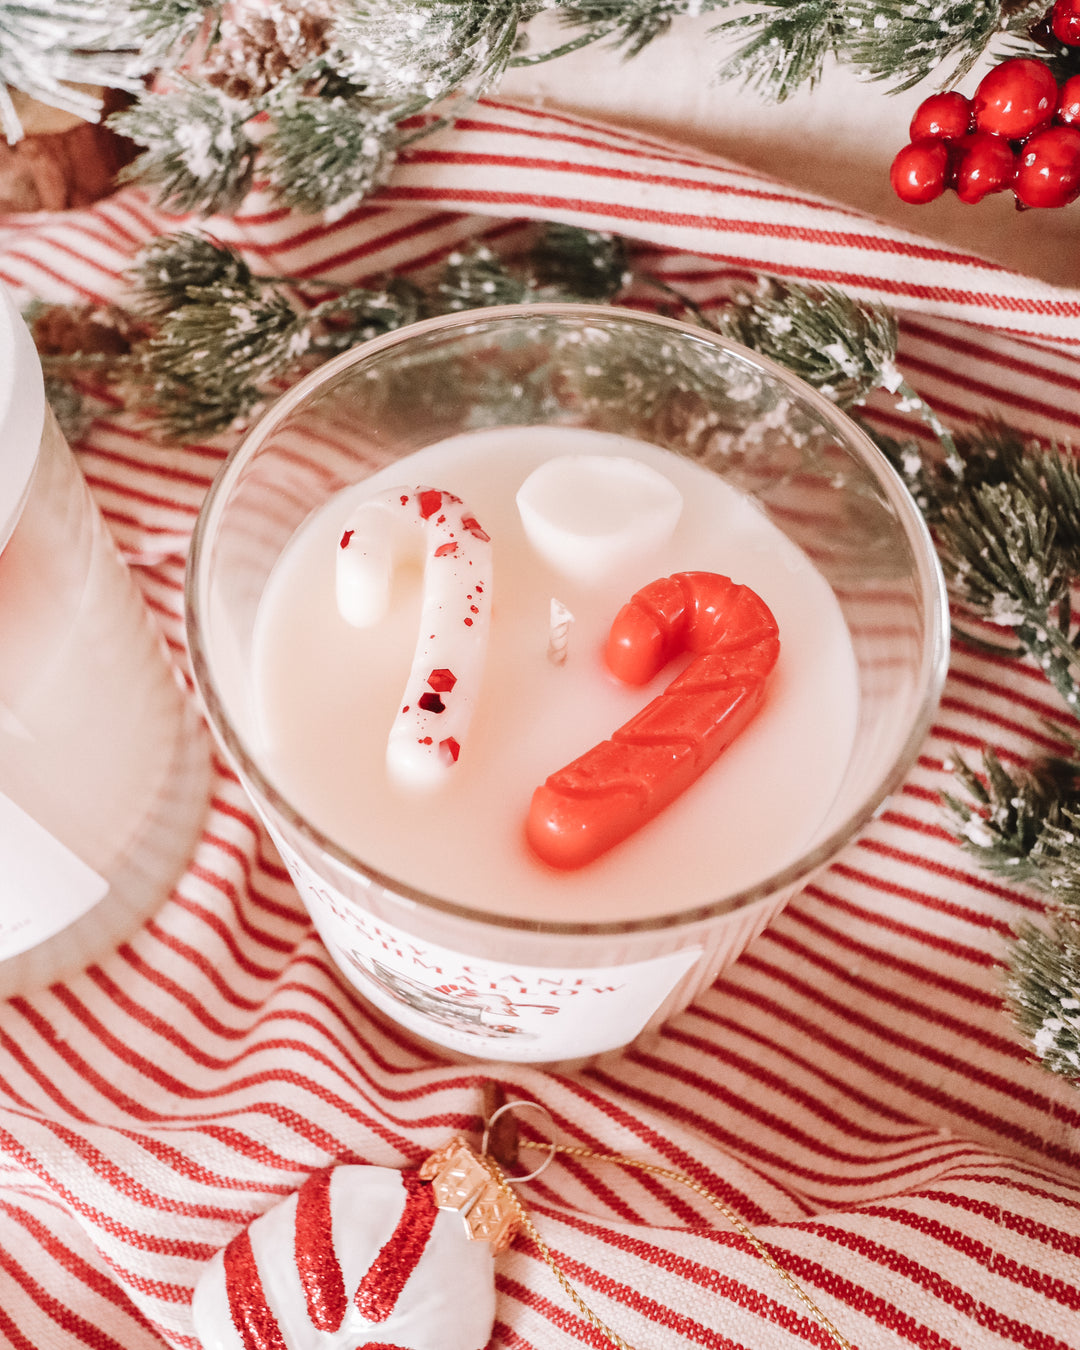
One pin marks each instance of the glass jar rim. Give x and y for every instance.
(934, 644)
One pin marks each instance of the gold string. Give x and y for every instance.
(576, 1151)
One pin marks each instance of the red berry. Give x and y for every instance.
(1065, 22)
(1048, 171)
(920, 170)
(982, 164)
(947, 114)
(1015, 98)
(1068, 109)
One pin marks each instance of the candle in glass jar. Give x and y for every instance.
(103, 761)
(327, 693)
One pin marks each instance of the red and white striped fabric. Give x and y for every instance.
(852, 1087)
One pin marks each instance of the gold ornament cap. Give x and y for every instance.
(462, 1182)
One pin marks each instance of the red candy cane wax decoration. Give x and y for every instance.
(440, 694)
(613, 789)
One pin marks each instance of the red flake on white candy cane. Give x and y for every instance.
(430, 500)
(442, 680)
(474, 527)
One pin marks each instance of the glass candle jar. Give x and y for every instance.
(103, 760)
(500, 958)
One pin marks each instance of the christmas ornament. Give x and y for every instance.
(369, 1258)
(364, 1256)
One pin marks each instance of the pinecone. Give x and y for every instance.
(262, 43)
(60, 330)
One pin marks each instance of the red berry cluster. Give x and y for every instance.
(1019, 130)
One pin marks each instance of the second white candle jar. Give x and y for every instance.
(400, 594)
(104, 761)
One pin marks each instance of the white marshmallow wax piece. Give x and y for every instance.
(440, 694)
(589, 515)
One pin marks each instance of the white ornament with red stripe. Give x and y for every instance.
(448, 664)
(363, 1258)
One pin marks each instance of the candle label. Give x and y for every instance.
(486, 1008)
(43, 885)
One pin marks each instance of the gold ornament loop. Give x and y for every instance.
(551, 1145)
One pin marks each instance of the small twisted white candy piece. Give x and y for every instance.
(560, 622)
(444, 681)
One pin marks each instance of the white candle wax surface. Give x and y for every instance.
(327, 693)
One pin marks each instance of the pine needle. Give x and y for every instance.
(219, 337)
(198, 155)
(1021, 825)
(784, 45)
(1043, 991)
(49, 46)
(843, 349)
(328, 154)
(627, 24)
(907, 41)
